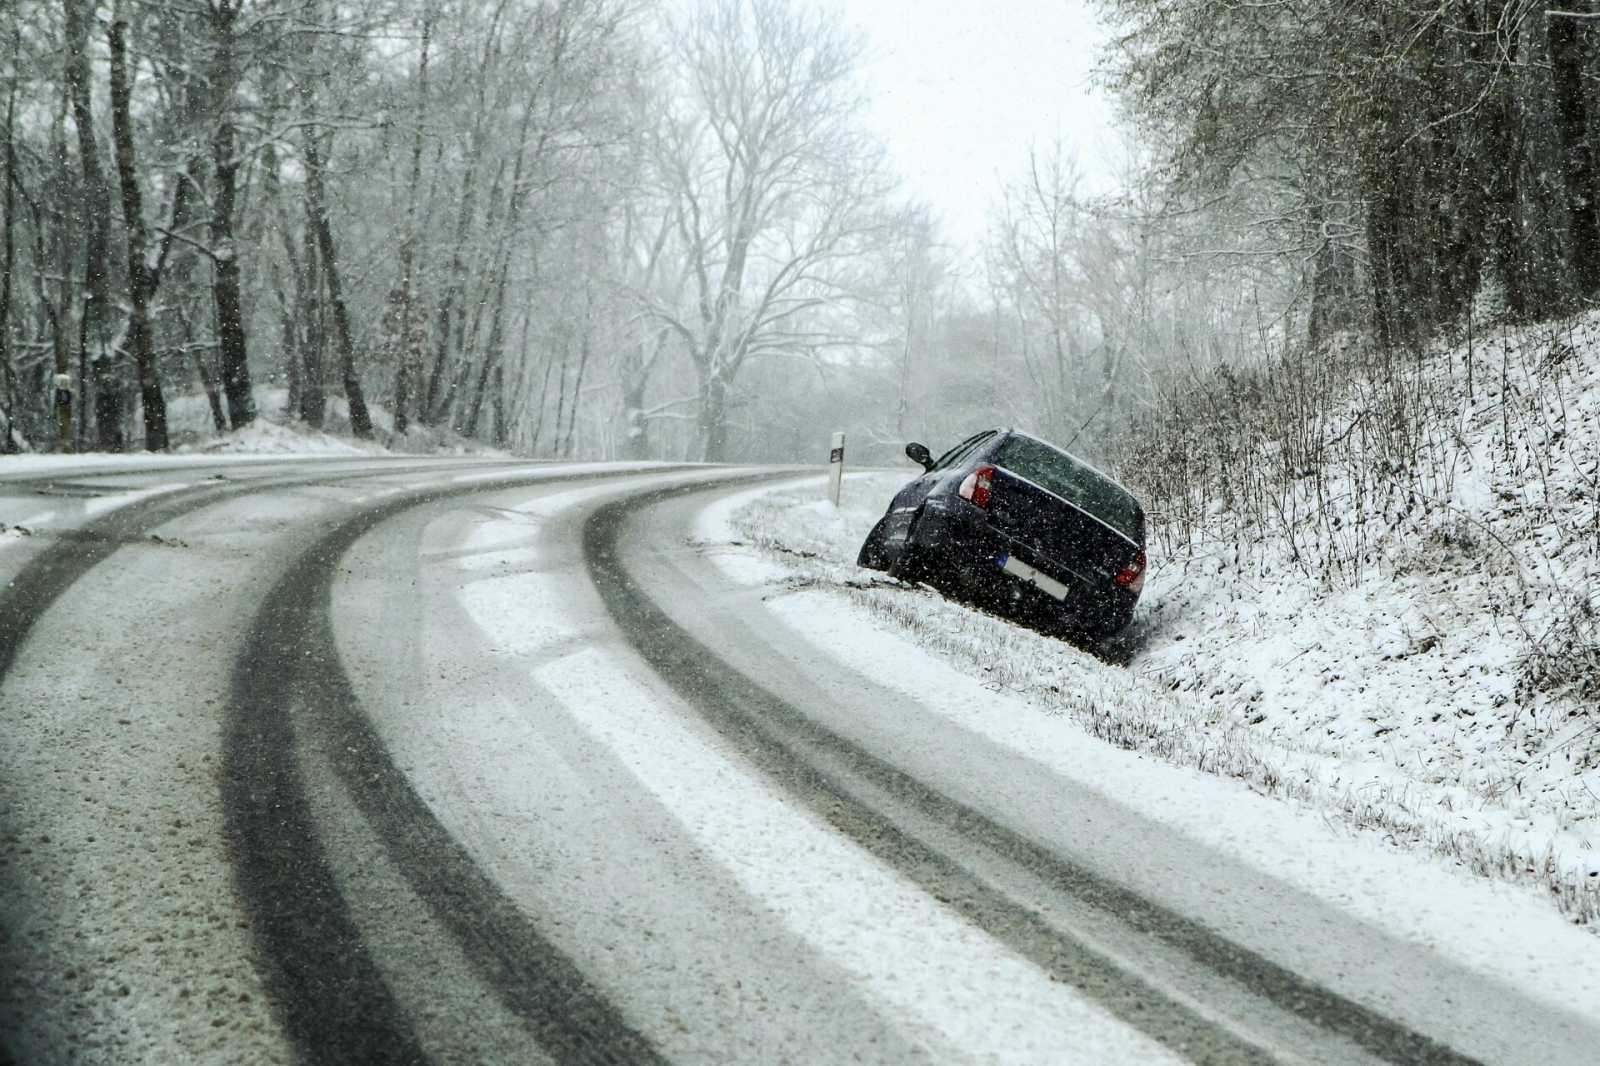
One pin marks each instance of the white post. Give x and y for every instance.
(836, 467)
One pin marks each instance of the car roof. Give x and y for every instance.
(1013, 431)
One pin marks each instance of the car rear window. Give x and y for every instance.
(962, 450)
(1074, 482)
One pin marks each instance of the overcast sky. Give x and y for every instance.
(960, 87)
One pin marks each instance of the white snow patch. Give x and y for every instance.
(265, 437)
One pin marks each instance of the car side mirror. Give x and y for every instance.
(918, 453)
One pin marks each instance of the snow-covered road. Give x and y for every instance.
(432, 761)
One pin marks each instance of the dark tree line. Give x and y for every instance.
(548, 225)
(1408, 158)
(629, 228)
(169, 94)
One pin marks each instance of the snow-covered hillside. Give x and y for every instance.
(1406, 641)
(1421, 620)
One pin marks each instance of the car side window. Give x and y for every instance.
(961, 451)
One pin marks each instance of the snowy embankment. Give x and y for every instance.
(1441, 696)
(272, 433)
(196, 442)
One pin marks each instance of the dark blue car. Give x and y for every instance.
(1017, 524)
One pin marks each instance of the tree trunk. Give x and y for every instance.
(544, 399)
(713, 419)
(442, 379)
(139, 281)
(97, 207)
(491, 360)
(577, 390)
(429, 409)
(70, 436)
(498, 406)
(52, 312)
(435, 409)
(408, 246)
(225, 292)
(561, 396)
(208, 385)
(188, 192)
(450, 359)
(360, 419)
(290, 339)
(466, 333)
(1333, 284)
(496, 342)
(493, 352)
(636, 440)
(313, 335)
(1570, 51)
(271, 214)
(205, 374)
(7, 264)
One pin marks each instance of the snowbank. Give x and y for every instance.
(193, 431)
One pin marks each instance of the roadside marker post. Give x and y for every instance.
(835, 467)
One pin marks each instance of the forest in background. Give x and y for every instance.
(617, 229)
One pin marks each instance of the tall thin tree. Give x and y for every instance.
(317, 203)
(140, 279)
(93, 327)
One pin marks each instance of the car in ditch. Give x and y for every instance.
(1016, 524)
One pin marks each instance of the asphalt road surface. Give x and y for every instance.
(344, 761)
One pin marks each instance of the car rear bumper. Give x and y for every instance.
(971, 552)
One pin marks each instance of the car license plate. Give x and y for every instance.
(1024, 572)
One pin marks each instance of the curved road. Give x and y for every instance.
(444, 761)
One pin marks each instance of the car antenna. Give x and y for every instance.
(1094, 415)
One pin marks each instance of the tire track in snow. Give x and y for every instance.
(830, 774)
(337, 1007)
(77, 550)
(356, 1019)
(71, 553)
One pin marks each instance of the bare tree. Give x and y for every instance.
(644, 268)
(1035, 251)
(407, 363)
(222, 18)
(141, 276)
(317, 206)
(919, 271)
(8, 259)
(772, 189)
(94, 325)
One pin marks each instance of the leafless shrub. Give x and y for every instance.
(1344, 462)
(1564, 660)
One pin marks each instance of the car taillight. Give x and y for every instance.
(976, 486)
(1132, 577)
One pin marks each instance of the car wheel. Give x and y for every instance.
(911, 565)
